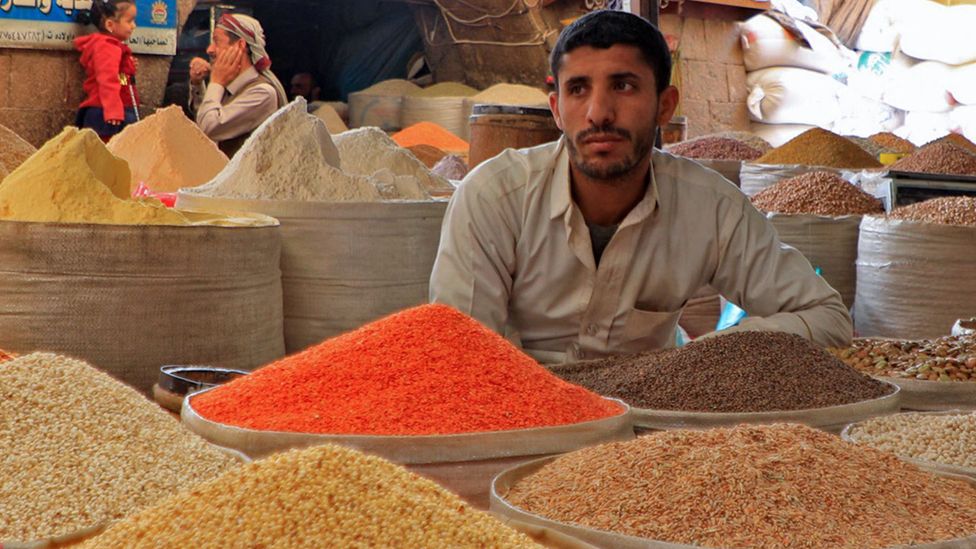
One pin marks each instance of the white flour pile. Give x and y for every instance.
(13, 151)
(291, 156)
(167, 151)
(333, 122)
(365, 151)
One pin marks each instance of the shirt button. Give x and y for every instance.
(592, 329)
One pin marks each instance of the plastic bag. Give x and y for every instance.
(143, 191)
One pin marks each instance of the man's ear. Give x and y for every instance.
(667, 103)
(554, 107)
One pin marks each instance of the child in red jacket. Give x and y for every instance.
(110, 90)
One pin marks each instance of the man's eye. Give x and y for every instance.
(576, 90)
(625, 86)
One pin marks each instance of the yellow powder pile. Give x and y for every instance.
(333, 122)
(13, 151)
(446, 89)
(819, 147)
(74, 178)
(167, 152)
(512, 94)
(395, 86)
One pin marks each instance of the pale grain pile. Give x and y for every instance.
(80, 449)
(13, 151)
(445, 89)
(324, 496)
(512, 94)
(817, 193)
(167, 152)
(940, 157)
(750, 487)
(365, 151)
(949, 210)
(819, 147)
(943, 438)
(392, 87)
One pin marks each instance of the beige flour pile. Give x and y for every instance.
(13, 151)
(393, 87)
(291, 156)
(333, 122)
(167, 152)
(365, 151)
(512, 94)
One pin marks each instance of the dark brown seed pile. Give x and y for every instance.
(818, 193)
(715, 148)
(948, 210)
(739, 372)
(941, 157)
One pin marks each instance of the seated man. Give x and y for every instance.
(243, 92)
(591, 245)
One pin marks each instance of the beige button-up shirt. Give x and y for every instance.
(515, 253)
(225, 113)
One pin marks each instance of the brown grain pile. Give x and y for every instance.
(738, 372)
(819, 147)
(13, 151)
(948, 358)
(957, 140)
(428, 154)
(948, 210)
(81, 449)
(325, 496)
(715, 148)
(817, 193)
(940, 157)
(748, 138)
(760, 487)
(893, 143)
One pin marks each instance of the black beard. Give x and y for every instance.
(642, 147)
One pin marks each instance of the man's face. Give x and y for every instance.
(301, 86)
(220, 42)
(608, 108)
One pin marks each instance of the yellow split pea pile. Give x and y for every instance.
(750, 487)
(81, 449)
(325, 496)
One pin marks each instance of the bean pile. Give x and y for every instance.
(950, 358)
(941, 157)
(428, 370)
(893, 143)
(948, 210)
(942, 438)
(715, 148)
(748, 138)
(819, 147)
(818, 193)
(80, 448)
(325, 496)
(957, 140)
(738, 372)
(750, 487)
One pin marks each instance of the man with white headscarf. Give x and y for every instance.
(243, 92)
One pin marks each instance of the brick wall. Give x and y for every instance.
(40, 89)
(711, 73)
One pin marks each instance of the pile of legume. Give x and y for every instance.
(957, 140)
(715, 148)
(750, 487)
(941, 157)
(738, 372)
(818, 193)
(950, 358)
(948, 210)
(819, 147)
(942, 438)
(748, 138)
(80, 448)
(325, 496)
(424, 371)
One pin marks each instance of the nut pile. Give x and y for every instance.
(942, 438)
(940, 157)
(324, 496)
(948, 210)
(957, 140)
(737, 372)
(819, 147)
(750, 487)
(715, 148)
(950, 358)
(818, 193)
(80, 448)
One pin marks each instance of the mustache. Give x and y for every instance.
(605, 129)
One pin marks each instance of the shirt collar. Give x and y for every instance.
(561, 196)
(242, 80)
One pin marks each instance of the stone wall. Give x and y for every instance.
(710, 73)
(40, 89)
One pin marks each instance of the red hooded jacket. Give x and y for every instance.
(106, 59)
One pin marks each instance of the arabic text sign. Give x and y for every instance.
(49, 24)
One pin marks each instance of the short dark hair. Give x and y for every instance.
(101, 11)
(604, 28)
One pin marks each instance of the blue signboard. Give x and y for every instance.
(50, 24)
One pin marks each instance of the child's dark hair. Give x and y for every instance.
(101, 11)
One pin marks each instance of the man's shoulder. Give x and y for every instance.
(512, 170)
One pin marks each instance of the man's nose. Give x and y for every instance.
(211, 49)
(601, 109)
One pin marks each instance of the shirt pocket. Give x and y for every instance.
(648, 330)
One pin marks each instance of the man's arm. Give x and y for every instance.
(775, 284)
(476, 257)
